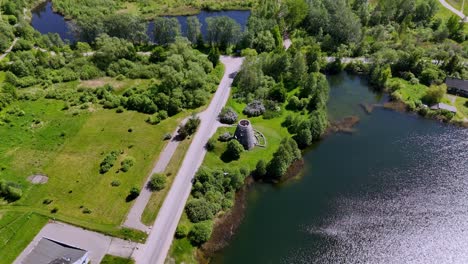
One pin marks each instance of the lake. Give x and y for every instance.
(395, 191)
(45, 20)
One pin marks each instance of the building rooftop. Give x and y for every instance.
(48, 251)
(457, 83)
(443, 106)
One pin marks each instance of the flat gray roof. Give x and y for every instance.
(48, 251)
(443, 106)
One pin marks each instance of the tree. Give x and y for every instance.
(456, 27)
(296, 12)
(435, 94)
(193, 29)
(228, 116)
(111, 49)
(157, 182)
(200, 233)
(199, 210)
(214, 55)
(166, 30)
(260, 169)
(125, 26)
(190, 127)
(223, 31)
(303, 138)
(133, 194)
(234, 149)
(380, 75)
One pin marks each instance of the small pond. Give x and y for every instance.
(45, 20)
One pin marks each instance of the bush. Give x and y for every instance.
(228, 116)
(435, 94)
(157, 182)
(225, 137)
(127, 163)
(108, 162)
(199, 210)
(13, 193)
(260, 169)
(255, 108)
(190, 127)
(115, 183)
(167, 136)
(181, 231)
(200, 233)
(210, 145)
(234, 150)
(133, 194)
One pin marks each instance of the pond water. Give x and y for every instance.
(395, 191)
(46, 21)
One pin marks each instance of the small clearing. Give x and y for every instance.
(38, 179)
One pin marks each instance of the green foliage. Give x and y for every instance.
(10, 191)
(199, 210)
(210, 145)
(435, 94)
(182, 231)
(133, 194)
(127, 163)
(108, 259)
(193, 29)
(108, 161)
(228, 116)
(380, 75)
(157, 182)
(166, 30)
(260, 169)
(287, 153)
(234, 150)
(200, 233)
(214, 55)
(222, 31)
(190, 127)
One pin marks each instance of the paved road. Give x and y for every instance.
(160, 238)
(9, 49)
(134, 216)
(454, 10)
(96, 244)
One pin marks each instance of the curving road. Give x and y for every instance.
(454, 10)
(159, 240)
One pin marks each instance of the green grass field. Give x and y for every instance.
(68, 148)
(17, 230)
(108, 259)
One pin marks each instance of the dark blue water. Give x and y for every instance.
(240, 16)
(396, 191)
(46, 21)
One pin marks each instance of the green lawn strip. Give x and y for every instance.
(409, 93)
(17, 230)
(182, 251)
(108, 259)
(157, 198)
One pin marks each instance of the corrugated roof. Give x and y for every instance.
(457, 83)
(52, 252)
(444, 107)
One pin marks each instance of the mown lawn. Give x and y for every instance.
(68, 148)
(462, 107)
(17, 230)
(157, 198)
(108, 259)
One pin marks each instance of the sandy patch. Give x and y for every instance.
(38, 179)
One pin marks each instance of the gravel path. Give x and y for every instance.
(162, 233)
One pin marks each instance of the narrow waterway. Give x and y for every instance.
(46, 21)
(395, 191)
